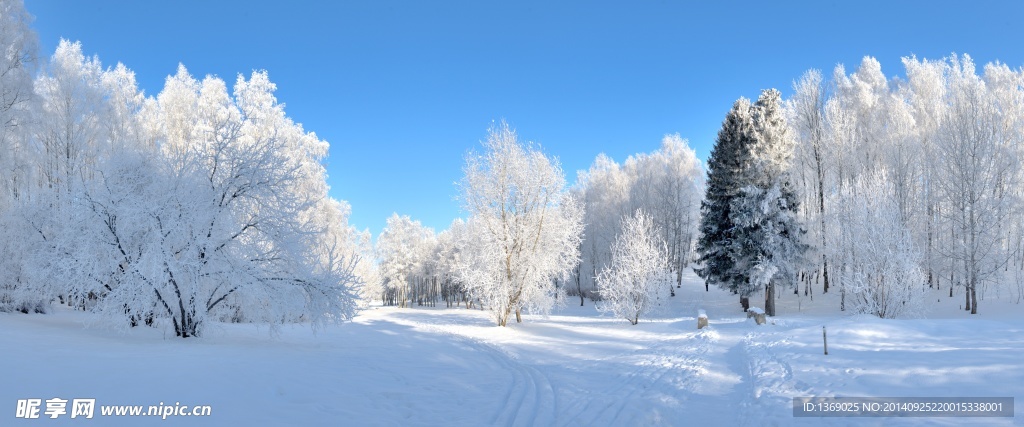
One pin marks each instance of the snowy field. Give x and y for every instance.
(434, 366)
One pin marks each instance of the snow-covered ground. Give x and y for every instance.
(435, 366)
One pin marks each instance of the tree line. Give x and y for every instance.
(911, 180)
(621, 235)
(878, 189)
(208, 203)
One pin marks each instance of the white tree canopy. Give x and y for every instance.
(525, 226)
(634, 284)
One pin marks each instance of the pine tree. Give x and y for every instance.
(728, 173)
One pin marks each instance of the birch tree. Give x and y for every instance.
(604, 190)
(18, 50)
(806, 110)
(977, 163)
(72, 117)
(526, 225)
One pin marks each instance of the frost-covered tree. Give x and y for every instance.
(460, 262)
(978, 163)
(728, 172)
(924, 92)
(882, 267)
(637, 281)
(17, 65)
(941, 134)
(125, 119)
(194, 206)
(806, 112)
(18, 53)
(403, 250)
(59, 142)
(604, 190)
(445, 256)
(228, 222)
(342, 248)
(524, 225)
(72, 117)
(767, 241)
(23, 285)
(751, 234)
(667, 184)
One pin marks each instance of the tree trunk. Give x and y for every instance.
(769, 299)
(519, 319)
(579, 287)
(825, 272)
(974, 300)
(745, 302)
(821, 210)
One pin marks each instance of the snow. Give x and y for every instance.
(756, 310)
(427, 366)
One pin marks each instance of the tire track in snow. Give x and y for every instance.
(529, 400)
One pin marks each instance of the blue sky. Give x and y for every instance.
(403, 89)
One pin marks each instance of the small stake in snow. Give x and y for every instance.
(824, 338)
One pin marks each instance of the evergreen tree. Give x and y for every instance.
(766, 241)
(750, 233)
(728, 173)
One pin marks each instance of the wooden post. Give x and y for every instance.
(824, 338)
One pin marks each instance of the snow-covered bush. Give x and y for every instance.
(878, 266)
(637, 281)
(21, 243)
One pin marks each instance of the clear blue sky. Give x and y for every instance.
(403, 89)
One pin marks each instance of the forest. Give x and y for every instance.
(876, 188)
(208, 203)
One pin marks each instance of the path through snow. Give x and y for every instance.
(426, 366)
